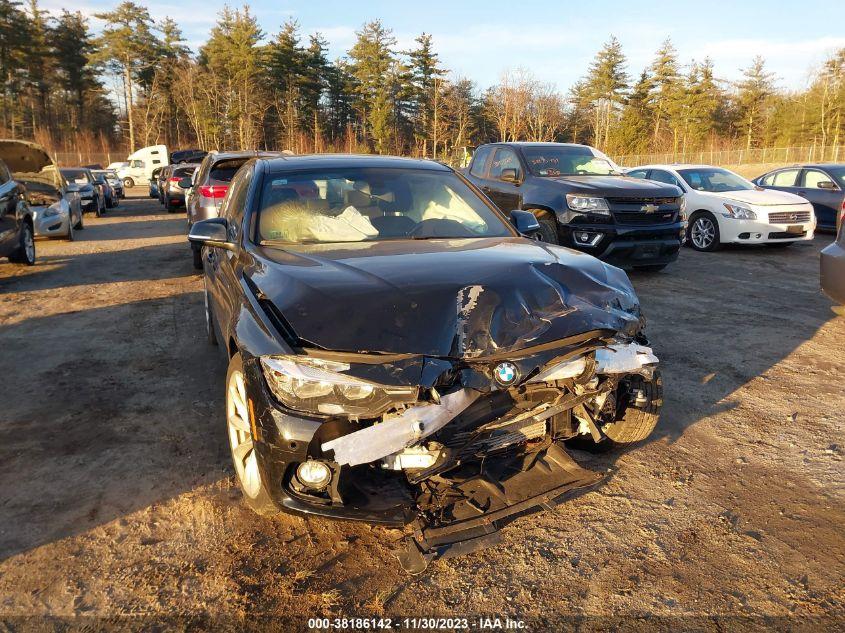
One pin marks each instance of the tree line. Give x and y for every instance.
(137, 84)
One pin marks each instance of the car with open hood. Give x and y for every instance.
(725, 208)
(401, 352)
(582, 200)
(55, 204)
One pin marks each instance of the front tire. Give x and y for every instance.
(128, 183)
(242, 442)
(81, 224)
(548, 228)
(98, 211)
(69, 236)
(25, 252)
(704, 232)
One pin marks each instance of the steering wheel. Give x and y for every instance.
(440, 227)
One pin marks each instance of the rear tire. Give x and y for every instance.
(197, 257)
(242, 442)
(210, 332)
(25, 252)
(128, 183)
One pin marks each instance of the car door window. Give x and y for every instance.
(663, 176)
(479, 161)
(785, 178)
(235, 203)
(812, 178)
(504, 158)
(637, 173)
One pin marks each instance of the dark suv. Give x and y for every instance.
(16, 226)
(582, 201)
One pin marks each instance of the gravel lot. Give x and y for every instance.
(117, 495)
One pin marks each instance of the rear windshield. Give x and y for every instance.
(76, 176)
(184, 171)
(225, 170)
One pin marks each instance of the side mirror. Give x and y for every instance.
(826, 184)
(213, 232)
(186, 183)
(510, 174)
(525, 222)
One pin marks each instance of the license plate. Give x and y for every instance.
(795, 229)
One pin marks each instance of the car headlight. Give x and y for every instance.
(739, 213)
(682, 208)
(587, 204)
(52, 212)
(314, 385)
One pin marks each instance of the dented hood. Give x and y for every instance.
(464, 298)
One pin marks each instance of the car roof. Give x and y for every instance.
(676, 166)
(246, 153)
(538, 144)
(337, 161)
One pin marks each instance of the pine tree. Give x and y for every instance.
(426, 87)
(128, 48)
(666, 90)
(72, 47)
(605, 88)
(373, 63)
(754, 92)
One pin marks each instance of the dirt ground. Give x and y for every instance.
(117, 495)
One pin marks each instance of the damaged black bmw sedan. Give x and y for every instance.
(401, 352)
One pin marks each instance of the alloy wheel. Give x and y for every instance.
(703, 232)
(240, 435)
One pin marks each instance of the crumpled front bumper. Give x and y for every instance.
(484, 493)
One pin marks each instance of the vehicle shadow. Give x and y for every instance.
(719, 320)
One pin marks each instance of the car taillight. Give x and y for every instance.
(213, 191)
(175, 179)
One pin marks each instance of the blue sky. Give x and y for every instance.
(556, 41)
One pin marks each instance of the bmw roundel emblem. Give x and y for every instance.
(505, 373)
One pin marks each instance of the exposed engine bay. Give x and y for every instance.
(461, 462)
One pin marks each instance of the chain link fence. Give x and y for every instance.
(811, 154)
(79, 158)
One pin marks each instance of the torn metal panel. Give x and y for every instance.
(394, 434)
(630, 358)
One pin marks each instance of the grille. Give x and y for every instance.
(785, 235)
(642, 201)
(644, 219)
(498, 438)
(629, 210)
(787, 217)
